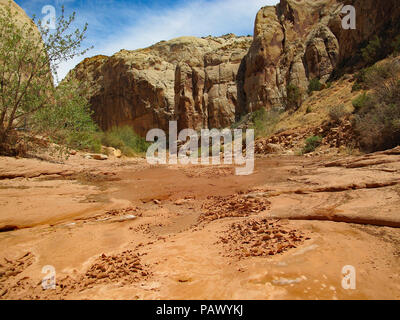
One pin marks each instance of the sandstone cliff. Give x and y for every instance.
(21, 17)
(192, 80)
(299, 40)
(211, 82)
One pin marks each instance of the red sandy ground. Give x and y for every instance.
(284, 232)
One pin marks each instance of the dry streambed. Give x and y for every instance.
(128, 231)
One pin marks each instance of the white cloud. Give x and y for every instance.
(192, 18)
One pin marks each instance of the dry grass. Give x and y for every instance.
(316, 109)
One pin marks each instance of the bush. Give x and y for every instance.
(377, 119)
(312, 143)
(380, 73)
(328, 85)
(314, 85)
(373, 76)
(125, 139)
(396, 45)
(337, 113)
(68, 121)
(356, 87)
(359, 84)
(293, 97)
(374, 51)
(379, 129)
(264, 121)
(360, 102)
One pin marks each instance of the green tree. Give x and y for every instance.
(68, 120)
(29, 57)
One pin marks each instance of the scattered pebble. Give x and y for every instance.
(237, 205)
(260, 238)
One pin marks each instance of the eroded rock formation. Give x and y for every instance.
(299, 40)
(21, 17)
(210, 82)
(192, 80)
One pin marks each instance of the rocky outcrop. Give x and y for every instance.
(207, 96)
(210, 82)
(299, 40)
(191, 80)
(336, 137)
(21, 17)
(374, 18)
(292, 44)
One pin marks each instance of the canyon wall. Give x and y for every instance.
(211, 82)
(299, 40)
(21, 17)
(192, 80)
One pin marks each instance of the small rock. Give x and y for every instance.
(111, 151)
(273, 148)
(290, 153)
(117, 153)
(127, 218)
(100, 157)
(180, 202)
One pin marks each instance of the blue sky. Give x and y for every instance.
(133, 24)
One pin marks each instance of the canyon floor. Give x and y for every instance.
(122, 229)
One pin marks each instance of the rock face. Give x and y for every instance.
(21, 17)
(210, 82)
(292, 44)
(380, 18)
(299, 40)
(191, 80)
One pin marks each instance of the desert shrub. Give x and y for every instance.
(359, 84)
(264, 121)
(293, 97)
(379, 129)
(356, 87)
(312, 143)
(336, 113)
(377, 117)
(314, 85)
(373, 76)
(68, 121)
(380, 73)
(396, 45)
(360, 102)
(243, 120)
(374, 51)
(125, 139)
(328, 85)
